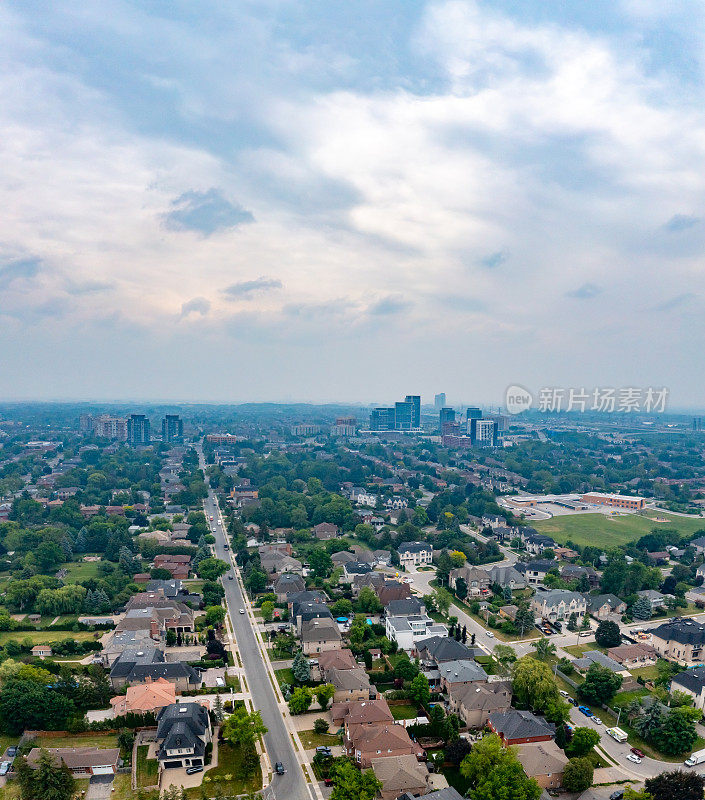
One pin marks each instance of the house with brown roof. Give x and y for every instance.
(145, 698)
(361, 712)
(335, 659)
(81, 761)
(350, 684)
(634, 655)
(41, 651)
(381, 741)
(474, 703)
(393, 590)
(325, 530)
(543, 761)
(177, 565)
(399, 775)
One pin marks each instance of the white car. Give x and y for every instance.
(597, 720)
(633, 758)
(490, 634)
(563, 693)
(242, 610)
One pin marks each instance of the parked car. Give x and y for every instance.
(617, 795)
(193, 770)
(5, 767)
(597, 720)
(563, 693)
(328, 781)
(242, 610)
(325, 750)
(490, 634)
(572, 701)
(638, 752)
(279, 768)
(12, 751)
(634, 759)
(585, 710)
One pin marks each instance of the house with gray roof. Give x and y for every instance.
(520, 727)
(183, 731)
(557, 605)
(507, 576)
(460, 673)
(591, 657)
(439, 649)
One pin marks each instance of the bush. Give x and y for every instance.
(320, 726)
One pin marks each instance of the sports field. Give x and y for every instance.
(601, 530)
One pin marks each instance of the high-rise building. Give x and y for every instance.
(382, 419)
(138, 430)
(172, 429)
(111, 427)
(485, 432)
(697, 423)
(446, 416)
(415, 400)
(344, 426)
(473, 413)
(403, 416)
(439, 401)
(86, 423)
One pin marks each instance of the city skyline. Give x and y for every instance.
(272, 200)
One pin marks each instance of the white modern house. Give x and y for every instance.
(408, 630)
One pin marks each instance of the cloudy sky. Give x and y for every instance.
(276, 200)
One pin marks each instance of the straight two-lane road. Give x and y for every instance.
(278, 743)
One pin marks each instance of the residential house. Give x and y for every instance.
(680, 640)
(414, 554)
(277, 563)
(535, 543)
(307, 611)
(409, 606)
(350, 684)
(476, 579)
(335, 659)
(460, 673)
(544, 762)
(148, 665)
(183, 731)
(520, 727)
(399, 775)
(82, 762)
(440, 649)
(383, 558)
(591, 657)
(353, 568)
(692, 683)
(535, 571)
(325, 530)
(507, 576)
(633, 655)
(41, 651)
(177, 565)
(657, 600)
(406, 631)
(342, 558)
(381, 741)
(393, 590)
(698, 544)
(474, 703)
(350, 714)
(574, 572)
(145, 698)
(375, 580)
(603, 606)
(558, 605)
(319, 635)
(286, 584)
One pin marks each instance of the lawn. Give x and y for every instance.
(601, 530)
(311, 739)
(78, 740)
(42, 637)
(81, 570)
(285, 675)
(578, 650)
(647, 673)
(229, 776)
(147, 768)
(405, 711)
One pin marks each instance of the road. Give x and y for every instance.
(278, 743)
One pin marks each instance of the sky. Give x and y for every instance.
(316, 201)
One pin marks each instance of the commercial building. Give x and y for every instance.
(439, 401)
(403, 416)
(615, 500)
(446, 416)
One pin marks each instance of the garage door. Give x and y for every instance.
(172, 764)
(103, 771)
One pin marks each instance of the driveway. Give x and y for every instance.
(100, 787)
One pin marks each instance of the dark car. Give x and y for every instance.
(193, 770)
(638, 752)
(618, 795)
(323, 749)
(12, 751)
(572, 701)
(328, 781)
(279, 768)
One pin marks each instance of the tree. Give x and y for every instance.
(210, 569)
(461, 588)
(267, 609)
(608, 634)
(300, 701)
(320, 562)
(419, 690)
(677, 734)
(524, 620)
(324, 692)
(680, 784)
(218, 710)
(494, 772)
(533, 684)
(367, 601)
(170, 637)
(301, 668)
(557, 710)
(577, 775)
(215, 615)
(505, 656)
(573, 622)
(648, 722)
(545, 649)
(353, 784)
(584, 739)
(405, 669)
(641, 608)
(242, 728)
(600, 685)
(48, 781)
(341, 608)
(457, 558)
(443, 599)
(456, 751)
(28, 705)
(320, 726)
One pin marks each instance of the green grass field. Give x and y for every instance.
(81, 570)
(600, 530)
(42, 637)
(311, 739)
(147, 768)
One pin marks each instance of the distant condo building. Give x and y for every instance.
(403, 416)
(111, 427)
(446, 416)
(172, 429)
(697, 423)
(475, 432)
(344, 426)
(138, 430)
(439, 401)
(305, 430)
